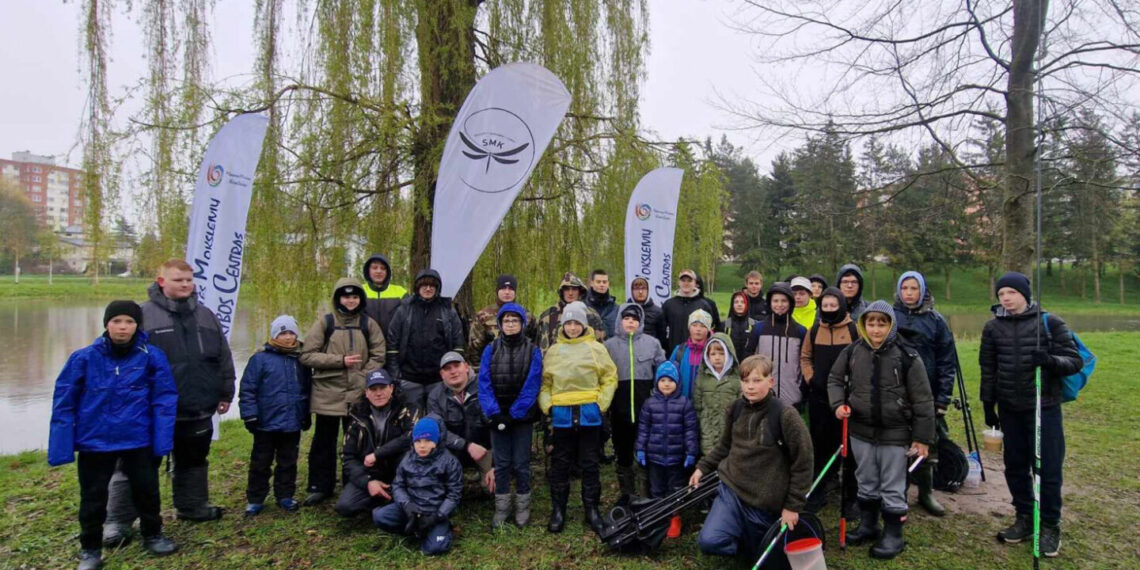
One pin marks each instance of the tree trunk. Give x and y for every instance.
(1018, 249)
(947, 283)
(1096, 263)
(51, 271)
(1049, 267)
(874, 295)
(993, 296)
(16, 269)
(1061, 275)
(1120, 270)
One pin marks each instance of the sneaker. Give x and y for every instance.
(316, 498)
(1050, 540)
(289, 504)
(1021, 529)
(159, 545)
(253, 509)
(90, 559)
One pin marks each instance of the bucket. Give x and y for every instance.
(805, 553)
(992, 439)
(974, 475)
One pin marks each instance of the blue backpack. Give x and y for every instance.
(1071, 385)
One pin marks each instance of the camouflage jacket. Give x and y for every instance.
(484, 328)
(545, 332)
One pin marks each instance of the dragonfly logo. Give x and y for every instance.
(500, 146)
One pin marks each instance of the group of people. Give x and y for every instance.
(409, 397)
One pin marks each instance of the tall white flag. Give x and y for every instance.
(650, 221)
(222, 193)
(495, 142)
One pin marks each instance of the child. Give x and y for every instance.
(578, 382)
(667, 438)
(688, 355)
(881, 387)
(510, 376)
(804, 312)
(428, 485)
(779, 337)
(115, 402)
(738, 326)
(344, 346)
(717, 386)
(764, 462)
(637, 356)
(275, 408)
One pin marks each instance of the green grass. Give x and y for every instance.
(72, 286)
(39, 506)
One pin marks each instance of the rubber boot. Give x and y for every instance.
(557, 512)
(627, 482)
(925, 481)
(892, 543)
(868, 523)
(191, 489)
(90, 559)
(674, 527)
(502, 510)
(594, 517)
(522, 509)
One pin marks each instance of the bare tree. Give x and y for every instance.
(923, 70)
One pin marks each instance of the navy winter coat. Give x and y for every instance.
(103, 403)
(433, 483)
(927, 331)
(275, 390)
(667, 428)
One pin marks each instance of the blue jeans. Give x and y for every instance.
(664, 479)
(1018, 457)
(733, 526)
(510, 453)
(393, 519)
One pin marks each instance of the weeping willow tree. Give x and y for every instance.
(98, 186)
(360, 98)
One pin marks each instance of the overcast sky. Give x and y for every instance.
(42, 95)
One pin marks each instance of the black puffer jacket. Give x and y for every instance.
(654, 320)
(1006, 358)
(422, 332)
(388, 441)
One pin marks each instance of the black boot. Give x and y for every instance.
(593, 517)
(1021, 529)
(90, 559)
(627, 483)
(892, 543)
(191, 493)
(557, 513)
(868, 523)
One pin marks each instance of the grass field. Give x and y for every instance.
(72, 286)
(1102, 491)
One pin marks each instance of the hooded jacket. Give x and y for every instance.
(434, 484)
(890, 402)
(547, 327)
(510, 373)
(104, 403)
(386, 432)
(275, 390)
(739, 327)
(577, 372)
(423, 331)
(927, 331)
(335, 387)
(191, 337)
(1006, 358)
(856, 305)
(677, 310)
(780, 338)
(757, 306)
(636, 357)
(823, 344)
(713, 392)
(667, 428)
(606, 307)
(382, 298)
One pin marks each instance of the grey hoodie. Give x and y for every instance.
(646, 350)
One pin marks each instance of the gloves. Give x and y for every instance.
(424, 523)
(991, 415)
(306, 422)
(690, 461)
(252, 425)
(500, 422)
(410, 509)
(1040, 358)
(641, 458)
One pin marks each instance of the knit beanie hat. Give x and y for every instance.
(508, 281)
(1016, 281)
(128, 308)
(284, 323)
(575, 311)
(701, 316)
(426, 428)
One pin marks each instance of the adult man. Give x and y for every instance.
(569, 290)
(600, 300)
(382, 297)
(654, 324)
(378, 435)
(485, 325)
(805, 309)
(850, 279)
(754, 291)
(203, 370)
(688, 298)
(456, 402)
(424, 328)
(926, 330)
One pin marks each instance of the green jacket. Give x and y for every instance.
(336, 388)
(712, 395)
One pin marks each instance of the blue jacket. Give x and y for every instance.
(667, 428)
(686, 372)
(433, 483)
(516, 392)
(275, 390)
(103, 403)
(927, 331)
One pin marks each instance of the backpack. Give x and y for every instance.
(330, 326)
(952, 467)
(1072, 384)
(774, 428)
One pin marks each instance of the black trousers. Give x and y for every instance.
(1019, 436)
(323, 452)
(192, 440)
(581, 446)
(95, 470)
(267, 445)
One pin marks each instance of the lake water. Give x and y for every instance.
(37, 337)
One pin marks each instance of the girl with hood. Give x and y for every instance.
(779, 338)
(739, 324)
(578, 382)
(341, 355)
(688, 355)
(716, 387)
